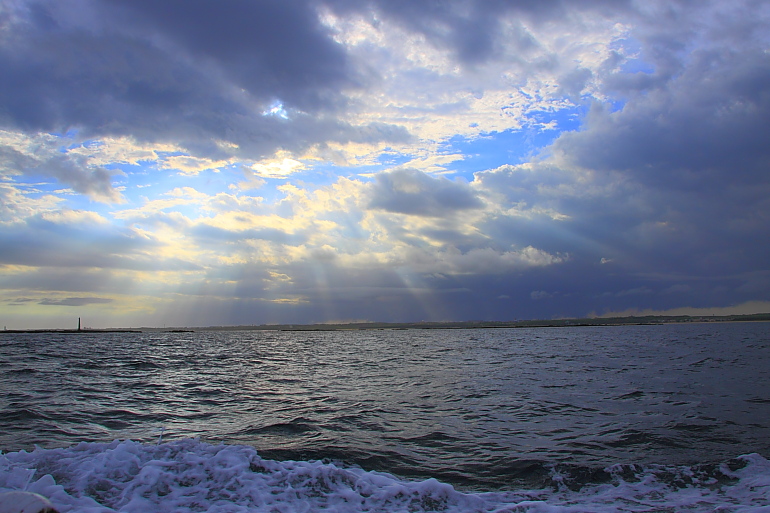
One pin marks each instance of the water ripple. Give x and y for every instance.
(466, 406)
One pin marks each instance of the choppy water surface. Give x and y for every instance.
(478, 409)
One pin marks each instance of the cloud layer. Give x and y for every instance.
(308, 161)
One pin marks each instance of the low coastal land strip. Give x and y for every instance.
(536, 323)
(76, 331)
(551, 323)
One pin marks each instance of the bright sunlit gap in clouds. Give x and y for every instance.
(322, 161)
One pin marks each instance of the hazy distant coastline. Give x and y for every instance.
(76, 331)
(536, 323)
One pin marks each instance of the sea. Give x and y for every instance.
(647, 418)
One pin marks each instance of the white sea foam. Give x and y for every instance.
(188, 476)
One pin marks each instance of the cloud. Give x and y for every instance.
(16, 205)
(191, 166)
(433, 163)
(121, 150)
(475, 31)
(673, 182)
(281, 168)
(708, 120)
(687, 161)
(412, 192)
(208, 234)
(192, 74)
(428, 84)
(39, 156)
(75, 301)
(480, 261)
(272, 49)
(67, 280)
(81, 239)
(628, 171)
(252, 181)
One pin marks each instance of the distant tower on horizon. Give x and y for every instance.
(78, 323)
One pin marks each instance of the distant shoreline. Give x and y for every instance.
(74, 332)
(538, 323)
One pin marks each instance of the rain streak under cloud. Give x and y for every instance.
(244, 162)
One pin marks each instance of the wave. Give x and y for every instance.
(189, 475)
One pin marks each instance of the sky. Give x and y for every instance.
(238, 162)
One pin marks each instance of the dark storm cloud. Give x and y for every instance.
(190, 73)
(669, 195)
(410, 191)
(273, 48)
(697, 154)
(707, 125)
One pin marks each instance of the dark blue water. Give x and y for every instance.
(479, 409)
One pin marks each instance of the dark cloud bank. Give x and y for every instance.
(184, 72)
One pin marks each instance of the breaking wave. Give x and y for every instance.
(190, 476)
